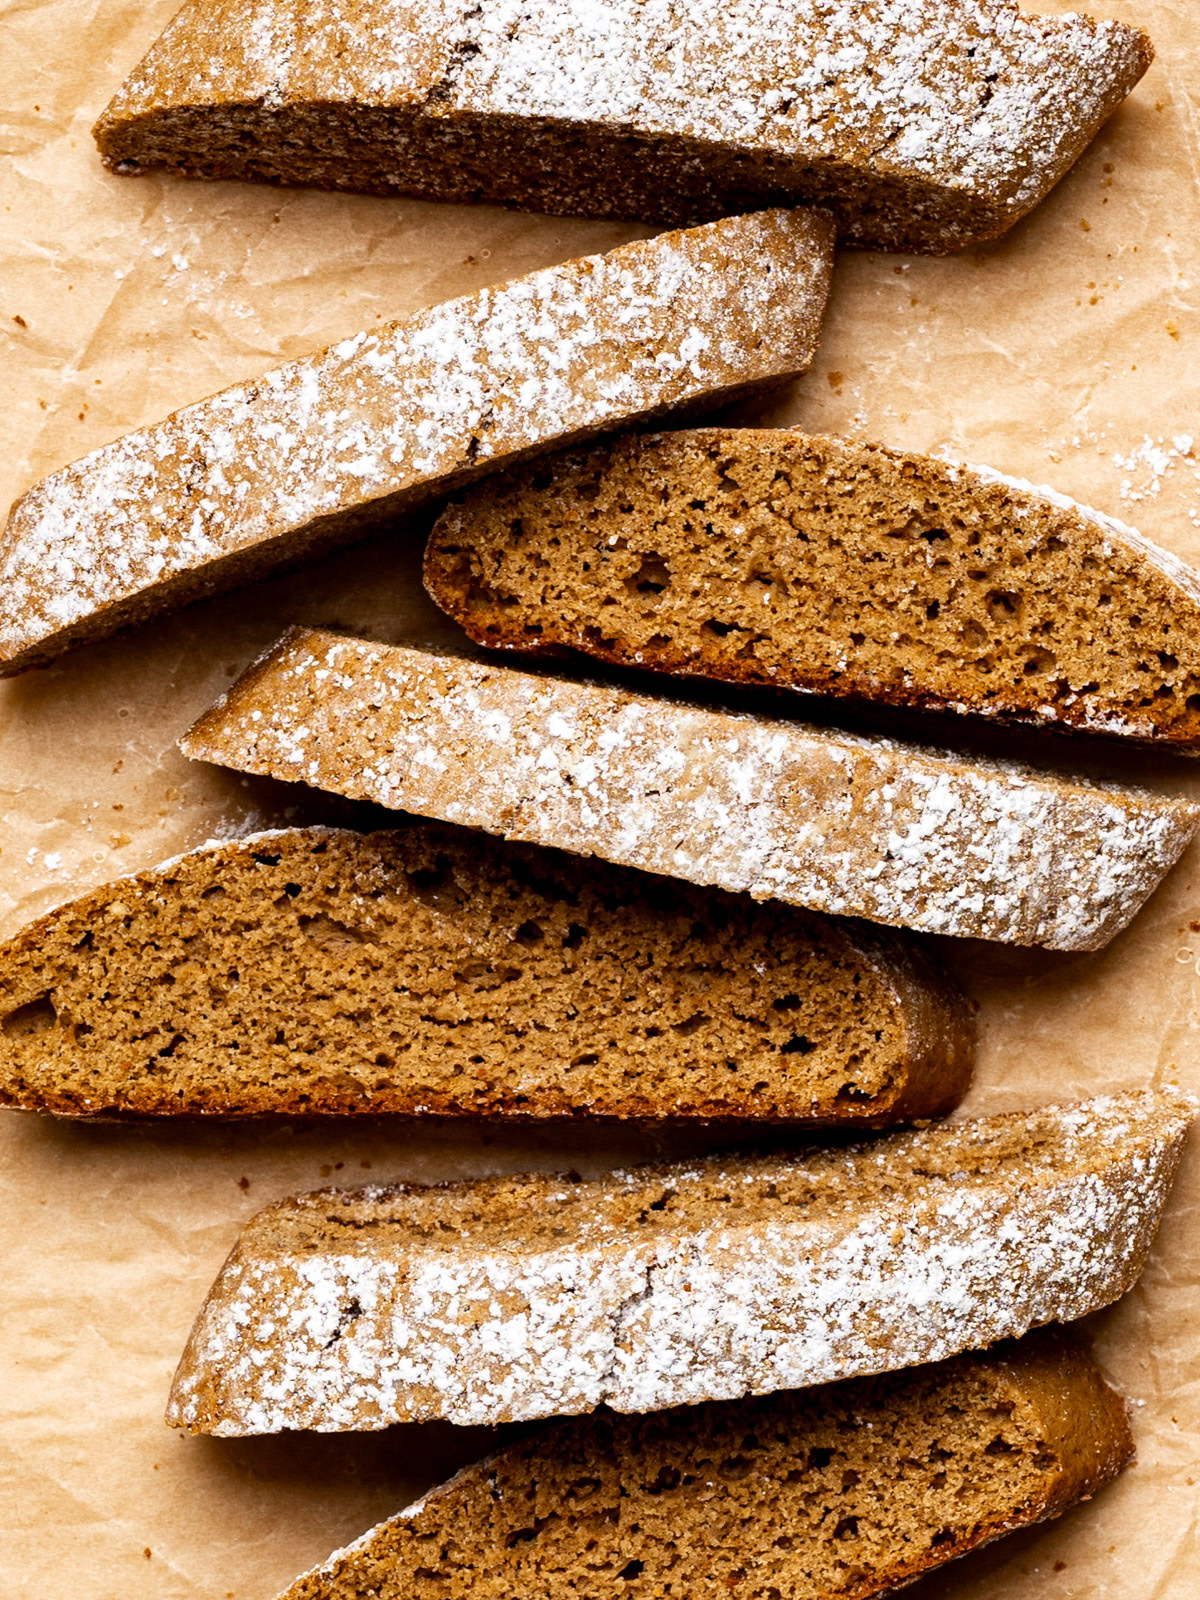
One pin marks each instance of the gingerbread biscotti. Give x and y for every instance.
(925, 126)
(769, 556)
(429, 969)
(319, 451)
(850, 824)
(520, 1297)
(834, 1493)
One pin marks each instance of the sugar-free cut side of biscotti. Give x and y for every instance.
(318, 970)
(834, 1493)
(926, 126)
(843, 568)
(854, 825)
(317, 452)
(514, 1298)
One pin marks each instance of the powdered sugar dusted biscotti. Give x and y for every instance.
(848, 824)
(313, 453)
(926, 124)
(516, 1298)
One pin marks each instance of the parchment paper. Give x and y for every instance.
(1066, 353)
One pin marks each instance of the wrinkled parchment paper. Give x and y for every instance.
(1067, 353)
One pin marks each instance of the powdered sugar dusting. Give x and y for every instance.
(956, 90)
(847, 824)
(676, 1285)
(397, 415)
(975, 106)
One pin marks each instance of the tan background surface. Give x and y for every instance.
(1066, 354)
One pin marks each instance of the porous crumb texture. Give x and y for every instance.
(854, 825)
(316, 452)
(926, 124)
(434, 970)
(844, 1491)
(521, 1297)
(773, 557)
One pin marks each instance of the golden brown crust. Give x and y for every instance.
(847, 1491)
(835, 567)
(316, 971)
(1084, 1422)
(671, 113)
(938, 1020)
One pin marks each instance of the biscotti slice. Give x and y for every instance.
(927, 126)
(513, 1298)
(855, 825)
(848, 1490)
(432, 969)
(769, 556)
(318, 451)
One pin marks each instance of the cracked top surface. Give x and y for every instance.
(312, 451)
(972, 94)
(514, 1298)
(850, 824)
